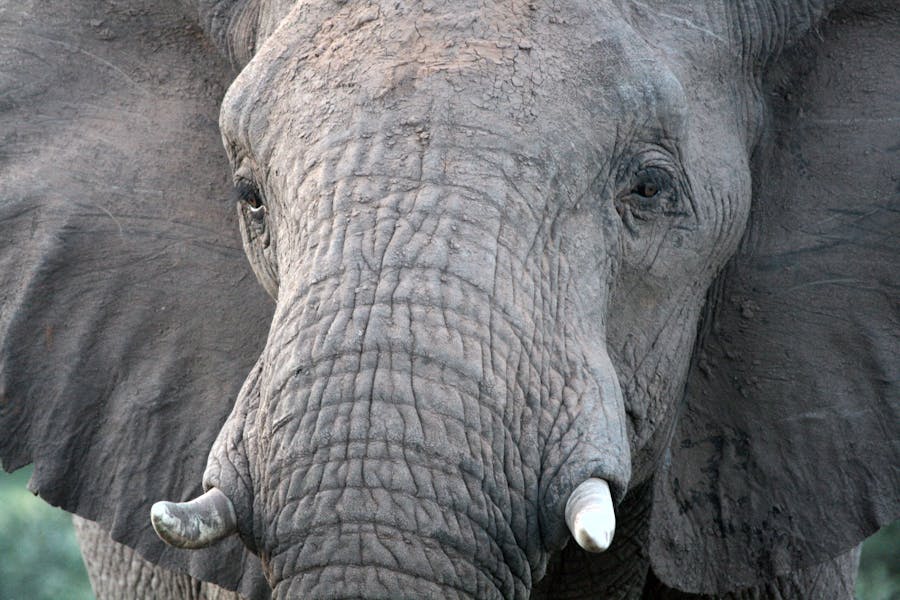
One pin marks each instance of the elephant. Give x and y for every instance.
(495, 300)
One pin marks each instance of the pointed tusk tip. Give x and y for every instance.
(590, 515)
(195, 524)
(593, 530)
(163, 521)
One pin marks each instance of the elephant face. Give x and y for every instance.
(477, 243)
(515, 249)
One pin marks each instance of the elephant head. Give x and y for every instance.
(526, 259)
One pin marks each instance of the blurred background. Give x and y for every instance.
(39, 556)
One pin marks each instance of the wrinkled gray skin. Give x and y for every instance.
(476, 307)
(457, 255)
(469, 285)
(489, 230)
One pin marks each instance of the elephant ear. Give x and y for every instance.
(128, 314)
(786, 449)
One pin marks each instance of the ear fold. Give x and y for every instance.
(128, 314)
(787, 448)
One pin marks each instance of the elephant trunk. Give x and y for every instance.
(397, 531)
(427, 405)
(396, 484)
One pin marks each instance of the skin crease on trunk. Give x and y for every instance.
(477, 306)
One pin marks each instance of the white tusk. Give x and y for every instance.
(195, 524)
(590, 515)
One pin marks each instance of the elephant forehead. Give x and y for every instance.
(535, 75)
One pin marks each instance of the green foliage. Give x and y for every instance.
(879, 567)
(41, 561)
(40, 557)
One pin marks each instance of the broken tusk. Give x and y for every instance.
(195, 524)
(590, 515)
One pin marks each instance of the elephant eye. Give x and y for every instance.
(248, 193)
(650, 182)
(653, 191)
(646, 189)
